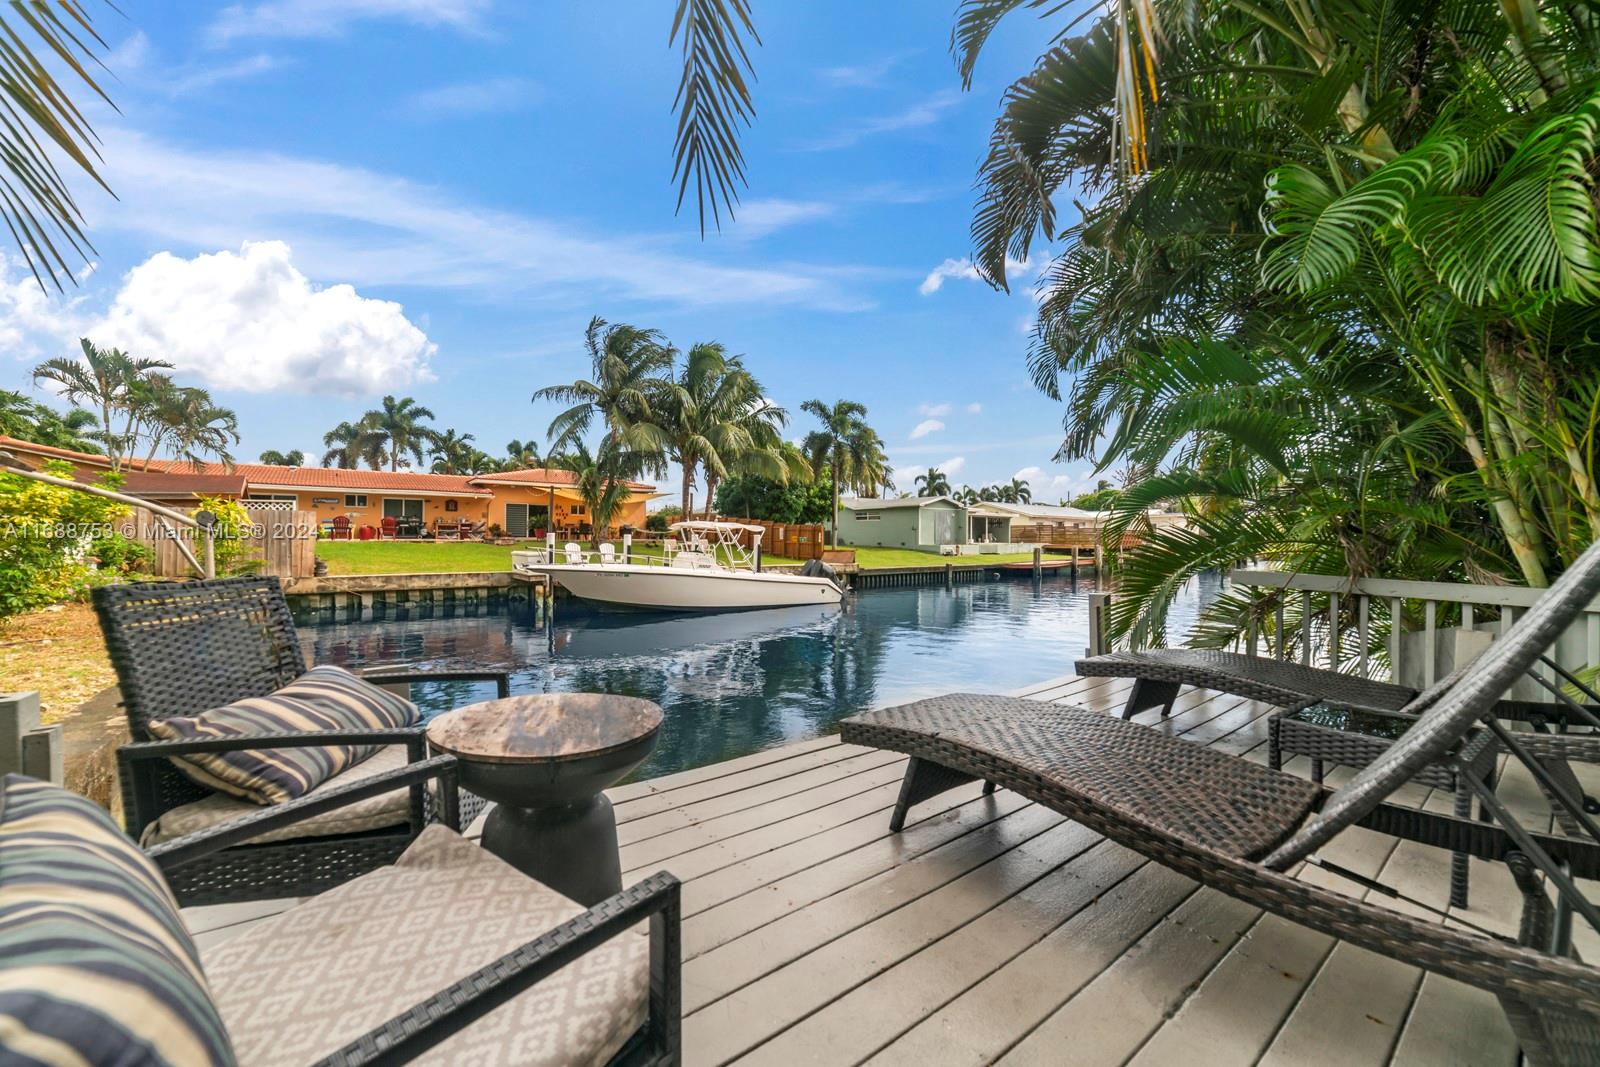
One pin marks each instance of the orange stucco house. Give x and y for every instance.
(521, 502)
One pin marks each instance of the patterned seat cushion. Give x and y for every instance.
(305, 982)
(96, 968)
(374, 813)
(323, 698)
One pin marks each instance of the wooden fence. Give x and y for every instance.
(790, 540)
(1063, 537)
(285, 543)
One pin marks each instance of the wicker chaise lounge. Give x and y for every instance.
(1241, 828)
(180, 648)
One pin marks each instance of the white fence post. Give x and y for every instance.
(1099, 641)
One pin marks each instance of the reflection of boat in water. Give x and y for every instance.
(715, 573)
(594, 635)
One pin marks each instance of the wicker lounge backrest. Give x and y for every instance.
(1470, 694)
(180, 648)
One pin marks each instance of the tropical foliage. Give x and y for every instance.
(848, 449)
(601, 478)
(1341, 310)
(47, 538)
(701, 411)
(752, 496)
(29, 420)
(273, 458)
(128, 405)
(933, 483)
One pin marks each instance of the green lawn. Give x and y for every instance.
(448, 557)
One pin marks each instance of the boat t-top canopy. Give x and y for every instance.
(708, 525)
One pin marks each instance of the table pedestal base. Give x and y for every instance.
(572, 848)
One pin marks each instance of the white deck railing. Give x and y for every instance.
(1329, 624)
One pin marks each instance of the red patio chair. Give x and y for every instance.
(341, 528)
(388, 527)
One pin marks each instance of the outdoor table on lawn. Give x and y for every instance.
(543, 760)
(1330, 733)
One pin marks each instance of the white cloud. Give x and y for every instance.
(251, 321)
(207, 77)
(953, 465)
(486, 97)
(328, 18)
(974, 408)
(933, 411)
(963, 268)
(1029, 474)
(757, 218)
(922, 114)
(860, 75)
(925, 427)
(373, 229)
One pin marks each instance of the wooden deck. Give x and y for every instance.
(994, 931)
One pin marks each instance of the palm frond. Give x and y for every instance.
(712, 103)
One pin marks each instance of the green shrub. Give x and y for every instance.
(47, 533)
(117, 554)
(660, 520)
(228, 533)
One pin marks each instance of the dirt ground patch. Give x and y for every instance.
(59, 652)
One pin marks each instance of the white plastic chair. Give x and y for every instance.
(608, 552)
(574, 552)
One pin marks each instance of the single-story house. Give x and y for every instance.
(919, 522)
(521, 502)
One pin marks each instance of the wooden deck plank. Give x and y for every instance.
(869, 1017)
(738, 1022)
(993, 930)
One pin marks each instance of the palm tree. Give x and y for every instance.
(273, 458)
(452, 452)
(350, 444)
(849, 449)
(187, 420)
(1020, 493)
(522, 455)
(396, 430)
(966, 495)
(715, 418)
(627, 364)
(108, 379)
(933, 483)
(601, 478)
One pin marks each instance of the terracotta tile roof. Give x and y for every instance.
(540, 476)
(17, 445)
(260, 474)
(159, 485)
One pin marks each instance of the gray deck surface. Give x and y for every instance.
(994, 931)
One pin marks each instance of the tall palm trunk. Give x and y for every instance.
(833, 531)
(688, 483)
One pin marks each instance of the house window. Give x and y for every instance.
(866, 516)
(402, 508)
(290, 497)
(355, 500)
(576, 509)
(450, 505)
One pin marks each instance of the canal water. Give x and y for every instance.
(739, 682)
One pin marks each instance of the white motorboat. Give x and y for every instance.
(713, 571)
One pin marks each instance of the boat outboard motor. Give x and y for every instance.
(815, 568)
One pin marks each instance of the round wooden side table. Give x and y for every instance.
(544, 760)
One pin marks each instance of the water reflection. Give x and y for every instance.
(737, 683)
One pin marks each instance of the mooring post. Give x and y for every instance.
(1038, 562)
(1099, 641)
(627, 544)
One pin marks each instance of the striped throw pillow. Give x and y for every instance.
(323, 698)
(96, 968)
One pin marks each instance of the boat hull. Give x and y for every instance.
(680, 589)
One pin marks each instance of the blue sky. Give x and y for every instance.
(323, 202)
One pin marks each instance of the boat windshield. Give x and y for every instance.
(732, 544)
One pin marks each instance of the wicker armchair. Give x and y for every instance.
(568, 954)
(1243, 828)
(180, 648)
